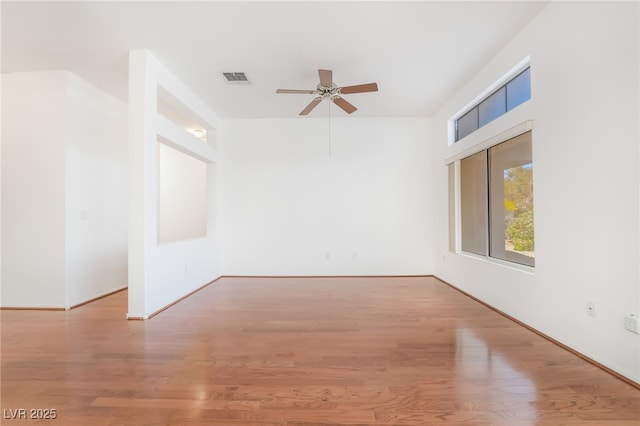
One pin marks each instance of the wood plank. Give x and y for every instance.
(301, 352)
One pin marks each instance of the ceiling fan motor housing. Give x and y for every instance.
(328, 92)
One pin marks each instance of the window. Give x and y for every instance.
(473, 195)
(496, 202)
(451, 170)
(504, 99)
(492, 107)
(511, 200)
(467, 124)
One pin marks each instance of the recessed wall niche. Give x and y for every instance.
(173, 110)
(182, 195)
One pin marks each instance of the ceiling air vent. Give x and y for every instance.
(236, 77)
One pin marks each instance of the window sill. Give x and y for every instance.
(503, 263)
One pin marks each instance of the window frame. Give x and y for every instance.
(517, 148)
(495, 103)
(503, 81)
(455, 197)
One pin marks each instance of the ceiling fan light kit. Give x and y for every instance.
(327, 89)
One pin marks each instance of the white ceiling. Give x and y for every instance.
(419, 52)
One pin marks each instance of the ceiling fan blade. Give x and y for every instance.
(360, 88)
(311, 106)
(307, 92)
(346, 106)
(326, 78)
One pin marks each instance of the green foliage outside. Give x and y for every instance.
(518, 203)
(520, 232)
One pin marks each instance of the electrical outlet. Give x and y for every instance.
(591, 309)
(631, 323)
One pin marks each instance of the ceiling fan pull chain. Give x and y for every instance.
(329, 103)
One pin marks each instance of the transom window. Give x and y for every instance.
(504, 99)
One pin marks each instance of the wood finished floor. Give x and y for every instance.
(301, 352)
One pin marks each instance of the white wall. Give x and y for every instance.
(346, 196)
(182, 196)
(33, 189)
(585, 111)
(160, 274)
(96, 192)
(64, 190)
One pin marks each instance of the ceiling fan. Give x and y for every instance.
(327, 89)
